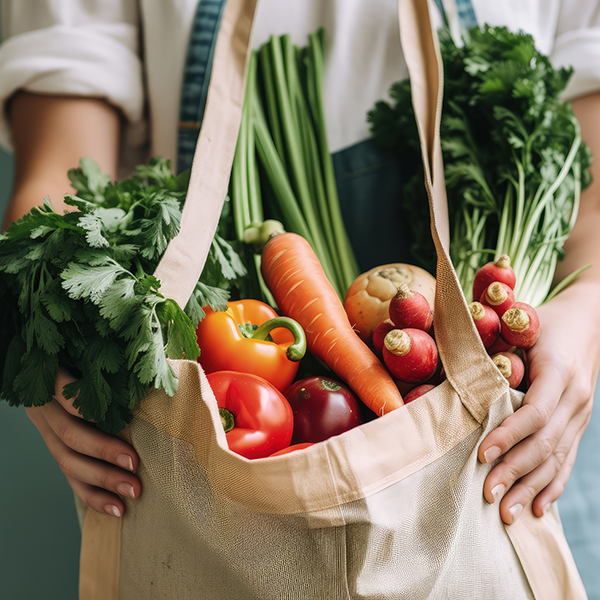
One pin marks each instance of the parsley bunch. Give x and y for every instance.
(514, 160)
(77, 291)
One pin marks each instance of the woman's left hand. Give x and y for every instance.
(539, 442)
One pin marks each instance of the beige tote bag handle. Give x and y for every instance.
(466, 363)
(182, 264)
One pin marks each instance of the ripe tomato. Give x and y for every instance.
(258, 420)
(322, 408)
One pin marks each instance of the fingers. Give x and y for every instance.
(539, 405)
(80, 436)
(84, 454)
(98, 499)
(534, 465)
(555, 488)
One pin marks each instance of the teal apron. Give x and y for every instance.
(368, 180)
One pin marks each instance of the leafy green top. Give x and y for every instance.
(77, 290)
(513, 157)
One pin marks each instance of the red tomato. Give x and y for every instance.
(258, 420)
(322, 408)
(292, 448)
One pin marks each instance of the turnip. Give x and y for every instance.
(511, 366)
(486, 321)
(368, 298)
(418, 392)
(499, 270)
(499, 296)
(410, 354)
(409, 309)
(379, 334)
(520, 325)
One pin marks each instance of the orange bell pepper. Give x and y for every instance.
(250, 337)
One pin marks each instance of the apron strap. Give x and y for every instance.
(196, 77)
(182, 264)
(459, 16)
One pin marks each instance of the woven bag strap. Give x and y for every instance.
(182, 264)
(466, 363)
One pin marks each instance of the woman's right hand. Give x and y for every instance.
(98, 466)
(50, 134)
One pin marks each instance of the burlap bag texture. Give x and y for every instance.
(392, 509)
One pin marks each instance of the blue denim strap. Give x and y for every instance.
(196, 78)
(464, 10)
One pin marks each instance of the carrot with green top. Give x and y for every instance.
(298, 283)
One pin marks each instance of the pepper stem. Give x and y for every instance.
(227, 419)
(296, 350)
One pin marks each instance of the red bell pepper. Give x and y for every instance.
(250, 337)
(257, 418)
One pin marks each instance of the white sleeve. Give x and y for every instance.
(577, 45)
(73, 47)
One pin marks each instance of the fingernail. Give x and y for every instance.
(491, 454)
(515, 510)
(111, 509)
(125, 461)
(498, 491)
(126, 489)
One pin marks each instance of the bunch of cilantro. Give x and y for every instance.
(514, 160)
(77, 291)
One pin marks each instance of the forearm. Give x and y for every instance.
(583, 245)
(50, 135)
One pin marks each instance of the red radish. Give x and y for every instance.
(487, 322)
(380, 332)
(500, 346)
(494, 271)
(520, 325)
(418, 392)
(368, 298)
(511, 366)
(410, 310)
(410, 354)
(405, 388)
(499, 296)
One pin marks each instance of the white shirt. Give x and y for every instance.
(93, 48)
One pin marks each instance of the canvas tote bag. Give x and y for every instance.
(391, 509)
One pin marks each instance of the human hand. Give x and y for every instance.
(540, 440)
(98, 466)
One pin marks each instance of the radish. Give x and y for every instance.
(410, 354)
(500, 345)
(499, 296)
(520, 325)
(380, 332)
(410, 310)
(494, 271)
(368, 298)
(418, 392)
(510, 365)
(486, 321)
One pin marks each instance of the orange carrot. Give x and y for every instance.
(296, 279)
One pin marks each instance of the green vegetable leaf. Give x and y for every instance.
(78, 290)
(81, 282)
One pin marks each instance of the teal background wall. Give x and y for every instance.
(39, 532)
